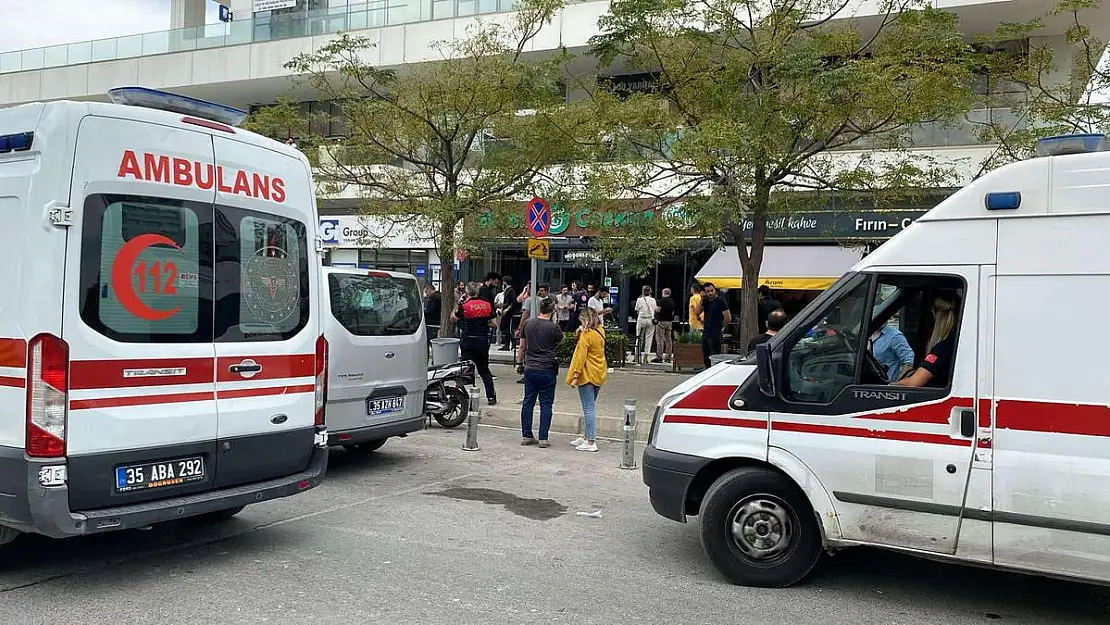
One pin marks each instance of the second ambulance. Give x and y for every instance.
(992, 449)
(162, 353)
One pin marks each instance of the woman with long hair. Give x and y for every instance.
(936, 368)
(588, 371)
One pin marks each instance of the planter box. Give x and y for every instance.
(687, 355)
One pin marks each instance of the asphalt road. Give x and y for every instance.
(422, 532)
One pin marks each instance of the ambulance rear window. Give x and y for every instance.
(146, 269)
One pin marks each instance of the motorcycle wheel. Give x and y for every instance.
(458, 402)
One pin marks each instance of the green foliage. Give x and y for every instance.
(478, 126)
(616, 348)
(691, 337)
(1051, 89)
(751, 99)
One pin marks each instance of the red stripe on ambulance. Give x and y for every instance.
(103, 374)
(273, 367)
(188, 173)
(13, 353)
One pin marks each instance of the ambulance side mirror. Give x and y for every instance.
(765, 369)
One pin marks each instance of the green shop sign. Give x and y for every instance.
(582, 222)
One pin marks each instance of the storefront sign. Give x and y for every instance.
(839, 225)
(860, 225)
(270, 5)
(354, 231)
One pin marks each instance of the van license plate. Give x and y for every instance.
(161, 474)
(389, 405)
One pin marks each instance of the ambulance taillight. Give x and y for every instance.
(321, 378)
(47, 396)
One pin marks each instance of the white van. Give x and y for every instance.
(379, 356)
(162, 353)
(1002, 460)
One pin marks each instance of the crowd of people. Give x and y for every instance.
(494, 312)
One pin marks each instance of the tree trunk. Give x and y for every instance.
(750, 264)
(446, 240)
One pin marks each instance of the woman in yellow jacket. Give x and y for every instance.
(588, 370)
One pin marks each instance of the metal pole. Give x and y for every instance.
(628, 455)
(533, 301)
(472, 418)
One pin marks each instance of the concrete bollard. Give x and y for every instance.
(472, 419)
(628, 453)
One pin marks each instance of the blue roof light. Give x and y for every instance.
(1072, 144)
(166, 101)
(19, 142)
(1003, 201)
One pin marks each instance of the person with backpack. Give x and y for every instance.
(588, 372)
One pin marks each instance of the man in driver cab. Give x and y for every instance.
(936, 368)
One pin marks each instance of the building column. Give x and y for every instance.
(187, 13)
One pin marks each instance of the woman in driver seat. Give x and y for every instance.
(936, 369)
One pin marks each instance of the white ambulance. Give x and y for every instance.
(161, 351)
(994, 449)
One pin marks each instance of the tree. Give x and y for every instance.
(433, 144)
(1060, 89)
(751, 98)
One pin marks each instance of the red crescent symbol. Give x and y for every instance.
(121, 277)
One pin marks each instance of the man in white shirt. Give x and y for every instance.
(646, 308)
(563, 303)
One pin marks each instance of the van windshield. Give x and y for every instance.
(375, 305)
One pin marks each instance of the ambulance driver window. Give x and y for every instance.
(261, 276)
(823, 360)
(146, 269)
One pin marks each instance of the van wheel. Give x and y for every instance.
(220, 515)
(758, 529)
(368, 446)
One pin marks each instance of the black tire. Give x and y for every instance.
(459, 401)
(368, 446)
(219, 515)
(779, 541)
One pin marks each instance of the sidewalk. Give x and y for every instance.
(646, 389)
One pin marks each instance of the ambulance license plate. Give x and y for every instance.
(161, 474)
(388, 405)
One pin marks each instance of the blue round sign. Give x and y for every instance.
(538, 217)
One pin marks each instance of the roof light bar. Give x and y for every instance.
(1072, 144)
(166, 101)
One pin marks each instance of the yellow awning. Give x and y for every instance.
(808, 268)
(798, 284)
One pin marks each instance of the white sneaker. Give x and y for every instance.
(587, 447)
(578, 441)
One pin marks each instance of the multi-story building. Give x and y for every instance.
(241, 64)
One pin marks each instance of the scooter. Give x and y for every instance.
(446, 399)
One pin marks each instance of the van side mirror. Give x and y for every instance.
(765, 370)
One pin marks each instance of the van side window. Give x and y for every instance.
(375, 305)
(261, 276)
(876, 334)
(146, 269)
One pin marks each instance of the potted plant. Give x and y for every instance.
(687, 351)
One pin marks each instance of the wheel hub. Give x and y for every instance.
(762, 527)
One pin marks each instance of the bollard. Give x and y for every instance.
(472, 419)
(628, 455)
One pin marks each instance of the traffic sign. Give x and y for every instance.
(539, 249)
(538, 217)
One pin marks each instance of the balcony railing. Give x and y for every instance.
(253, 30)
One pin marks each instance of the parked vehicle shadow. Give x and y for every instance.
(901, 582)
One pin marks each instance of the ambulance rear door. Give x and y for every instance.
(138, 315)
(266, 317)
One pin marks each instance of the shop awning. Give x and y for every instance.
(806, 267)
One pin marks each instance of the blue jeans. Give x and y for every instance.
(541, 385)
(588, 394)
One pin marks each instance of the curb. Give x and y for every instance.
(569, 423)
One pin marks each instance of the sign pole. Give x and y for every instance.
(533, 301)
